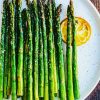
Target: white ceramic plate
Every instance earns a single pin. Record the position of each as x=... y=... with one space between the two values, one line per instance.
x=88 y=54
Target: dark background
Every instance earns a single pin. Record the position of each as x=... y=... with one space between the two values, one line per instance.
x=95 y=95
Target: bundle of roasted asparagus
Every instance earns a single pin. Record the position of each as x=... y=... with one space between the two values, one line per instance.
x=31 y=52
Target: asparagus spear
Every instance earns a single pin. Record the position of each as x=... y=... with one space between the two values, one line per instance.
x=9 y=57
x=9 y=60
x=6 y=53
x=30 y=48
x=36 y=39
x=41 y=67
x=70 y=95
x=3 y=31
x=43 y=27
x=60 y=58
x=13 y=60
x=33 y=29
x=25 y=53
x=20 y=49
x=74 y=55
x=54 y=52
x=50 y=52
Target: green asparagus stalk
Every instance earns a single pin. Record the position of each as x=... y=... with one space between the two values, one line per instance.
x=74 y=56
x=13 y=60
x=33 y=29
x=20 y=50
x=16 y=31
x=60 y=57
x=6 y=54
x=41 y=67
x=54 y=52
x=50 y=52
x=70 y=95
x=3 y=31
x=9 y=57
x=35 y=52
x=30 y=50
x=43 y=29
x=9 y=65
x=25 y=53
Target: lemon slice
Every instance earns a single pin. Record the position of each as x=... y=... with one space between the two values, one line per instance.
x=83 y=30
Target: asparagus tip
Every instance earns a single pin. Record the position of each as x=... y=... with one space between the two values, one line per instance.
x=59 y=9
x=71 y=7
x=68 y=10
x=27 y=2
x=71 y=2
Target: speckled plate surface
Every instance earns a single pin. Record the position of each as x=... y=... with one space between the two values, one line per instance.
x=89 y=53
